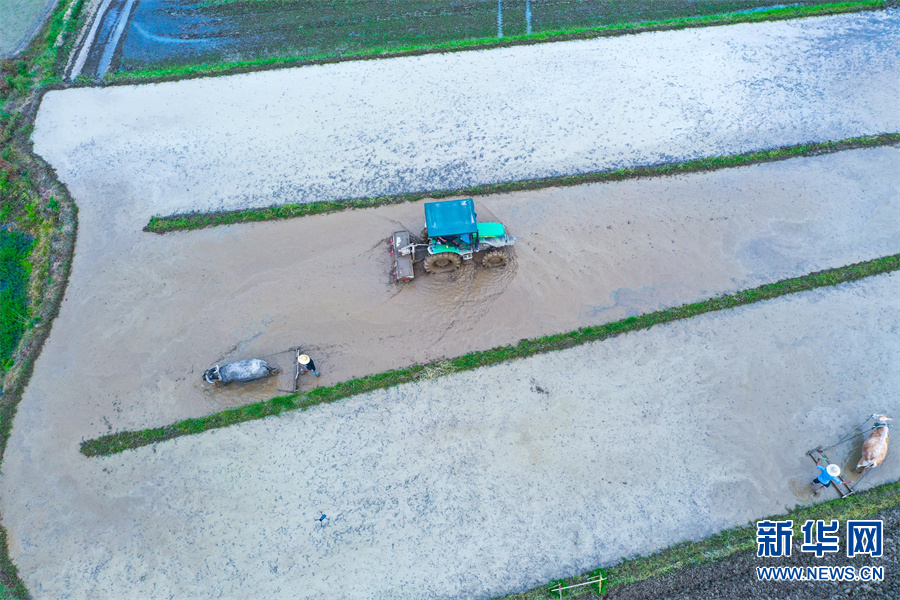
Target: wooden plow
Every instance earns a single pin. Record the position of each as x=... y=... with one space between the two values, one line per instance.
x=818 y=455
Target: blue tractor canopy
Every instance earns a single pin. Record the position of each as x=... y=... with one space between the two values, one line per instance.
x=454 y=235
x=451 y=218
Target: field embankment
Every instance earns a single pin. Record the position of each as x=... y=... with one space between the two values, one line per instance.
x=33 y=206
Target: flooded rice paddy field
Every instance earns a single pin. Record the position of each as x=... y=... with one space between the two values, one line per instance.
x=585 y=255
x=472 y=485
x=147 y=314
x=415 y=476
x=450 y=121
x=20 y=20
x=167 y=33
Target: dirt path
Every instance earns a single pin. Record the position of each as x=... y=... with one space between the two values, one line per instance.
x=446 y=121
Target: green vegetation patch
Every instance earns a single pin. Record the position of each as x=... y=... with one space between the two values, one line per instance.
x=307 y=32
x=15 y=271
x=739 y=539
x=288 y=211
x=118 y=442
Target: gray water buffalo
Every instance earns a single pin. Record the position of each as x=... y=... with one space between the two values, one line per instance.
x=240 y=372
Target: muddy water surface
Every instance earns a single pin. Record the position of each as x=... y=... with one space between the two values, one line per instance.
x=414 y=476
x=147 y=314
x=450 y=121
x=569 y=460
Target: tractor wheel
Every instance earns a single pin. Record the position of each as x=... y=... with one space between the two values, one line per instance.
x=445 y=262
x=495 y=258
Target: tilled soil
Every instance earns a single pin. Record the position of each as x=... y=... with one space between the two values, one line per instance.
x=735 y=577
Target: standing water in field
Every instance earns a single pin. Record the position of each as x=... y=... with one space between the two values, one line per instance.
x=173 y=33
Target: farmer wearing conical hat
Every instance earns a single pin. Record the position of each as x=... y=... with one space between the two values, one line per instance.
x=307 y=364
x=827 y=476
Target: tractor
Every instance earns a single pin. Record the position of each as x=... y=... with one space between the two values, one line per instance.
x=452 y=234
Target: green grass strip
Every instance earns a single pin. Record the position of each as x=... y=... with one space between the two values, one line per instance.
x=192 y=221
x=15 y=269
x=125 y=440
x=730 y=18
x=726 y=543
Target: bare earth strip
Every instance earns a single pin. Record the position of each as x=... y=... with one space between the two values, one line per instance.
x=446 y=121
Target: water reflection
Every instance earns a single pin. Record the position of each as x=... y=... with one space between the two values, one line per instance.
x=183 y=32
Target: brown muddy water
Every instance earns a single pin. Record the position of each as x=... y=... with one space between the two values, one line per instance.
x=413 y=476
x=145 y=315
x=569 y=460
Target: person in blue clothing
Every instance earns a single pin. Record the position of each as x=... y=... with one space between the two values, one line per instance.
x=827 y=476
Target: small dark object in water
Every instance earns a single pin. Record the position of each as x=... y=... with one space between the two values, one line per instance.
x=240 y=372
